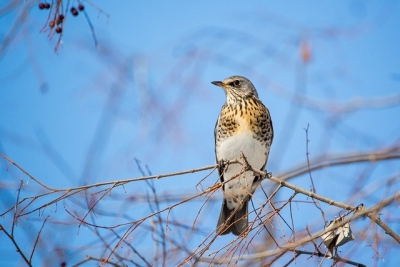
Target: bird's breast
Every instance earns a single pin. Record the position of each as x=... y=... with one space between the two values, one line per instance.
x=243 y=141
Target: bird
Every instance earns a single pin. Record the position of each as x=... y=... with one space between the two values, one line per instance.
x=243 y=126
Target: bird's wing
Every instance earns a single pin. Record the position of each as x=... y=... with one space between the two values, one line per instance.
x=220 y=167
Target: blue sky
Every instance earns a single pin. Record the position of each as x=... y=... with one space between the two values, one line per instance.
x=83 y=114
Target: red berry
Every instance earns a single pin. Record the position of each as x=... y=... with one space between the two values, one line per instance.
x=51 y=24
x=74 y=11
x=81 y=7
x=47 y=6
x=58 y=30
x=60 y=19
x=41 y=6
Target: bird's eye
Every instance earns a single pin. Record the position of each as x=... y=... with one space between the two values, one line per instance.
x=235 y=83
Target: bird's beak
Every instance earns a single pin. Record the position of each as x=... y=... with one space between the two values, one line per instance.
x=218 y=83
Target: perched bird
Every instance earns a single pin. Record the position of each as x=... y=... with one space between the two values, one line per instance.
x=244 y=126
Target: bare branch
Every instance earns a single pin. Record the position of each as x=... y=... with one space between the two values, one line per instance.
x=304 y=240
x=37 y=239
x=16 y=245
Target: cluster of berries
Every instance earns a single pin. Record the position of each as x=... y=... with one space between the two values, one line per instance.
x=74 y=10
x=60 y=18
x=44 y=6
x=57 y=22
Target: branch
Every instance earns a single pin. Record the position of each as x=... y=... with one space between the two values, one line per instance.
x=335 y=258
x=334 y=203
x=16 y=245
x=37 y=239
x=116 y=182
x=304 y=240
x=325 y=161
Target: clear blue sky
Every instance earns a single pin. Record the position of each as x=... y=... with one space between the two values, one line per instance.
x=83 y=114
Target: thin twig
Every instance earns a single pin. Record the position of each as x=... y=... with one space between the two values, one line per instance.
x=313 y=189
x=15 y=216
x=16 y=245
x=37 y=238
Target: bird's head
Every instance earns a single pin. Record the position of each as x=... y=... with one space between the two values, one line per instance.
x=237 y=88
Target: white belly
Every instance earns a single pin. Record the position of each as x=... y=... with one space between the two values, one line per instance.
x=239 y=188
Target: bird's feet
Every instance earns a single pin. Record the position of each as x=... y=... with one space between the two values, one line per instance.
x=222 y=166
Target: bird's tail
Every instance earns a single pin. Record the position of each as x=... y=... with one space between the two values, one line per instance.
x=235 y=225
